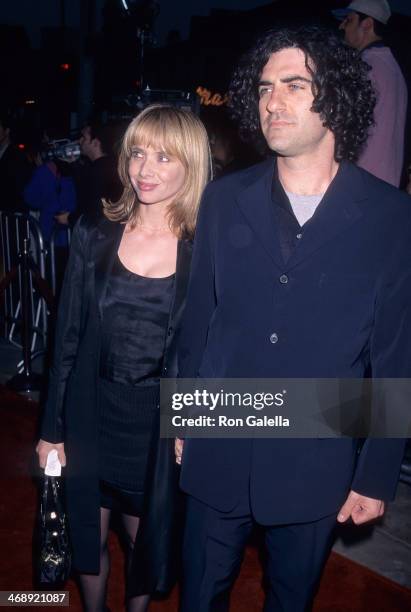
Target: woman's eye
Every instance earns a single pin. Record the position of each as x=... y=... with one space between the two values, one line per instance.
x=136 y=154
x=163 y=158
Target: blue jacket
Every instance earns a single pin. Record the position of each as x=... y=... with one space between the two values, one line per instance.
x=50 y=193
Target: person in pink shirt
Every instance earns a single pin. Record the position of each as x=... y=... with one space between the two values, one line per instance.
x=363 y=26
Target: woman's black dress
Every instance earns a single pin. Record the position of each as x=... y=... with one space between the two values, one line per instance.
x=135 y=315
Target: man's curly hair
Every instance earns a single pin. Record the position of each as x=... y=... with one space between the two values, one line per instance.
x=343 y=94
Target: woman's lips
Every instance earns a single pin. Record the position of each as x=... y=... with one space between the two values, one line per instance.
x=146 y=186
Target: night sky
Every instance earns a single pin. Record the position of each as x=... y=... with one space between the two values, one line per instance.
x=174 y=14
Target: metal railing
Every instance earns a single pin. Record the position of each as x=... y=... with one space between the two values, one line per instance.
x=58 y=231
x=17 y=229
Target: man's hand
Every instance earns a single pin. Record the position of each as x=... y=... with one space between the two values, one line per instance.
x=178 y=449
x=360 y=508
x=62 y=218
x=43 y=448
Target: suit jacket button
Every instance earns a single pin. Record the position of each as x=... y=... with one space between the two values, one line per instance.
x=283 y=279
x=273 y=338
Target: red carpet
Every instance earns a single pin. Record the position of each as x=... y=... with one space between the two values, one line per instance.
x=345 y=585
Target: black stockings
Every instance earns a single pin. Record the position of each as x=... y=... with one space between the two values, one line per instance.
x=130 y=524
x=94 y=586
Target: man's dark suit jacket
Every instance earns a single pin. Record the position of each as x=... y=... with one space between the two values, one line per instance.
x=94 y=181
x=14 y=175
x=345 y=309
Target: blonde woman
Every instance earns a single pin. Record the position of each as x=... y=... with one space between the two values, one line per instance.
x=121 y=306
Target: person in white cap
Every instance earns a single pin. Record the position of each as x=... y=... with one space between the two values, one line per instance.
x=364 y=27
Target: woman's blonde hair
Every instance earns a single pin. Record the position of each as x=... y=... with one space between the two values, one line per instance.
x=178 y=133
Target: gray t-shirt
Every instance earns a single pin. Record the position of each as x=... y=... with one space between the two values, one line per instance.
x=304 y=206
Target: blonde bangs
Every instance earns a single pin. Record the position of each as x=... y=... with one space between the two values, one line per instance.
x=161 y=130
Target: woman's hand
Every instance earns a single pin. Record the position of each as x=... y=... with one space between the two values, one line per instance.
x=178 y=449
x=43 y=448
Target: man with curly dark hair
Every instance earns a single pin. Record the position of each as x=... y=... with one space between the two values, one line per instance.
x=342 y=93
x=301 y=269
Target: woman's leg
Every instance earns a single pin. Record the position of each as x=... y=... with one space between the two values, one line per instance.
x=140 y=602
x=94 y=586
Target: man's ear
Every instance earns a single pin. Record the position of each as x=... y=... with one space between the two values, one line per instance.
x=367 y=25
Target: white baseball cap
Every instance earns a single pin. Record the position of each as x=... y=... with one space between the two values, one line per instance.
x=377 y=9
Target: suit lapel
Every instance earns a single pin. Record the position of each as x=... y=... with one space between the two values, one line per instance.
x=255 y=202
x=337 y=211
x=105 y=251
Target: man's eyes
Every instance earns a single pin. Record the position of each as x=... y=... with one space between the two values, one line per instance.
x=295 y=86
x=262 y=91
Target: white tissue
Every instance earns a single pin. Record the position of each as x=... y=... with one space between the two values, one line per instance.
x=53 y=465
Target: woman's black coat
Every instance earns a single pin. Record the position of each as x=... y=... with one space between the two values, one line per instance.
x=71 y=409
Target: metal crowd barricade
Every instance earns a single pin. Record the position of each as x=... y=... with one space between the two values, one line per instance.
x=58 y=231
x=14 y=229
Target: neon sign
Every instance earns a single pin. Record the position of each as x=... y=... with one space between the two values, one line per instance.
x=207 y=98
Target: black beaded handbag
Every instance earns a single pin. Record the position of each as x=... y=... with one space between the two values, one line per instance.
x=55 y=552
